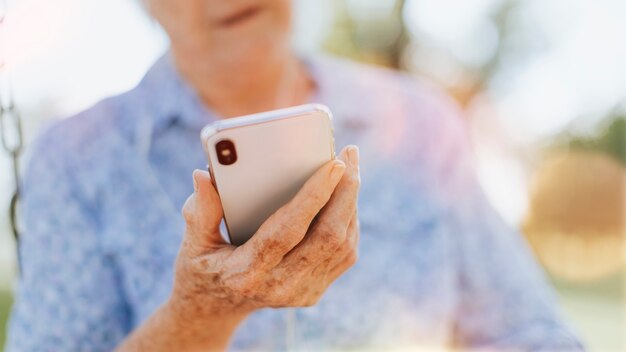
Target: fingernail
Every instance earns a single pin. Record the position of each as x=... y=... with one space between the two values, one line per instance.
x=195 y=181
x=353 y=154
x=337 y=169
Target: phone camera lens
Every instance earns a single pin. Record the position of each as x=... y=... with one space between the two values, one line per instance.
x=226 y=153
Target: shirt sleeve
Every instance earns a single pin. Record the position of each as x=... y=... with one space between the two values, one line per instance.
x=68 y=296
x=505 y=301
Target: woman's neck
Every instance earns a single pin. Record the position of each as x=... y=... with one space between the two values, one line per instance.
x=233 y=88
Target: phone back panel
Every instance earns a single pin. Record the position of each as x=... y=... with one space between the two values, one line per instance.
x=276 y=153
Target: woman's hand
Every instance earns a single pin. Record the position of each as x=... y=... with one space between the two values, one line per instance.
x=287 y=263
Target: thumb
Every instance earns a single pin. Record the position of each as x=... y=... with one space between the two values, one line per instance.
x=203 y=213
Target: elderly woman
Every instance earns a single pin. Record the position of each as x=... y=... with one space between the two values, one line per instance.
x=109 y=261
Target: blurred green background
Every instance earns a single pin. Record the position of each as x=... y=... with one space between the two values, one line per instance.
x=5 y=303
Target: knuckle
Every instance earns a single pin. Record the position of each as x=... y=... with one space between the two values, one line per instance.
x=309 y=301
x=329 y=236
x=288 y=230
x=189 y=213
x=242 y=281
x=236 y=285
x=204 y=264
x=319 y=271
x=282 y=297
x=244 y=285
x=353 y=180
x=314 y=197
x=333 y=241
x=353 y=257
x=304 y=261
x=314 y=296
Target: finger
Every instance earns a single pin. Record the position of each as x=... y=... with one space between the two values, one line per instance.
x=288 y=226
x=203 y=213
x=350 y=253
x=353 y=235
x=309 y=282
x=342 y=205
x=331 y=226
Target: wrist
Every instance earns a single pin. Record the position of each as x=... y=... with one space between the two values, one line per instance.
x=199 y=331
x=202 y=318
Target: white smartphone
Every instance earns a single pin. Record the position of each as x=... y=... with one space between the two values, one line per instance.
x=259 y=162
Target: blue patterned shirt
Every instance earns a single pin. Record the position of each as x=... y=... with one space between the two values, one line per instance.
x=438 y=267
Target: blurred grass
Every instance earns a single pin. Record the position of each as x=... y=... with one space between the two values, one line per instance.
x=609 y=138
x=5 y=306
x=596 y=311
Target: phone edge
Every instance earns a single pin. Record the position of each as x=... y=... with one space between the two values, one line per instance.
x=247 y=120
x=221 y=125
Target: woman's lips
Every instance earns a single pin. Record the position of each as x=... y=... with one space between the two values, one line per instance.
x=240 y=16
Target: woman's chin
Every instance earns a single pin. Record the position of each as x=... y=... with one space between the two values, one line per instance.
x=256 y=48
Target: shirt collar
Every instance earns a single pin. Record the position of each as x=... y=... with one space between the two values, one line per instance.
x=334 y=79
x=170 y=100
